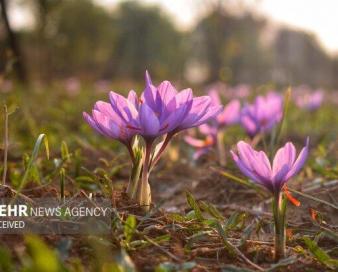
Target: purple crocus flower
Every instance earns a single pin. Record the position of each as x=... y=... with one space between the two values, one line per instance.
x=214 y=130
x=310 y=101
x=171 y=111
x=159 y=111
x=203 y=146
x=72 y=86
x=256 y=165
x=263 y=114
x=116 y=120
x=231 y=112
x=242 y=90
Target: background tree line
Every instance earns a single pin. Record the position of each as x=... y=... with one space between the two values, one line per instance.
x=80 y=38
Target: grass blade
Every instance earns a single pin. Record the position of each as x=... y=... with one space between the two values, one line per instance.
x=320 y=254
x=42 y=139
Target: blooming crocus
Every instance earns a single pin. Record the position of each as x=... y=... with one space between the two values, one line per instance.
x=158 y=112
x=263 y=114
x=240 y=91
x=231 y=112
x=115 y=120
x=202 y=146
x=257 y=167
x=310 y=101
x=170 y=111
x=215 y=130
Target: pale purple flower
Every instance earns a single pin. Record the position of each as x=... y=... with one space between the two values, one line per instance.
x=241 y=91
x=256 y=165
x=309 y=100
x=165 y=110
x=214 y=130
x=231 y=112
x=116 y=120
x=263 y=114
x=202 y=146
x=72 y=86
x=102 y=85
x=159 y=110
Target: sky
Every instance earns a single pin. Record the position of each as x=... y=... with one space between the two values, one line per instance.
x=317 y=16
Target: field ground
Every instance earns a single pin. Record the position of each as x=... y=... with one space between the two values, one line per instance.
x=203 y=219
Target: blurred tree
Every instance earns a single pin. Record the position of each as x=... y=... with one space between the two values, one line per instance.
x=43 y=10
x=335 y=72
x=299 y=59
x=13 y=44
x=146 y=39
x=70 y=38
x=230 y=47
x=82 y=37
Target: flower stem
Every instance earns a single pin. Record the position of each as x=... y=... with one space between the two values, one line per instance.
x=144 y=193
x=279 y=209
x=136 y=157
x=134 y=178
x=163 y=147
x=220 y=148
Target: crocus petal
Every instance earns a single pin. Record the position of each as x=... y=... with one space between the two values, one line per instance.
x=248 y=122
x=284 y=159
x=279 y=179
x=263 y=114
x=149 y=94
x=207 y=129
x=166 y=92
x=215 y=97
x=211 y=113
x=92 y=122
x=263 y=165
x=124 y=108
x=182 y=104
x=198 y=109
x=200 y=152
x=194 y=142
x=109 y=128
x=230 y=114
x=119 y=105
x=299 y=163
x=245 y=170
x=107 y=110
x=246 y=154
x=173 y=120
x=147 y=78
x=183 y=97
x=149 y=122
x=132 y=97
x=256 y=162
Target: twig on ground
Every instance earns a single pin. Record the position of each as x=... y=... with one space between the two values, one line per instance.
x=4 y=171
x=162 y=249
x=314 y=198
x=243 y=209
